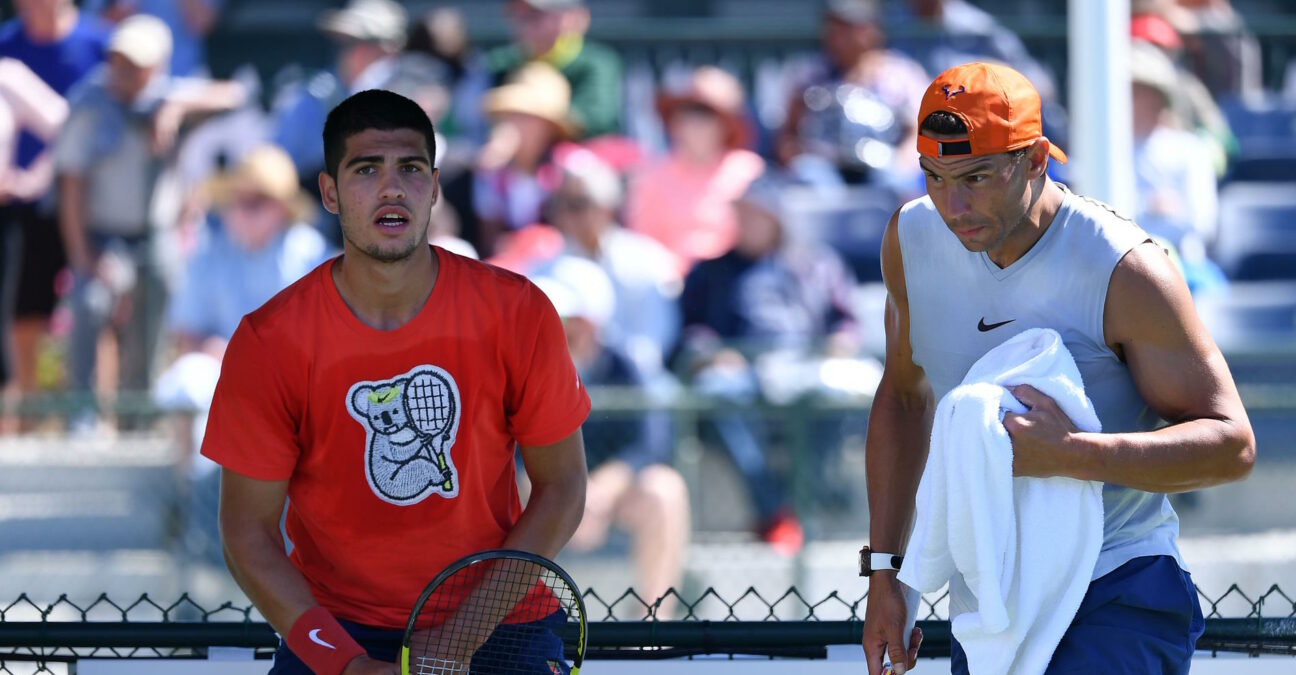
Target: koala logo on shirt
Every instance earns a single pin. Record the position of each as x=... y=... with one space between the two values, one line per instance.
x=411 y=423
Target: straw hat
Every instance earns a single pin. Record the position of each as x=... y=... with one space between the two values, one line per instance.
x=265 y=170
x=536 y=89
x=1151 y=67
x=718 y=91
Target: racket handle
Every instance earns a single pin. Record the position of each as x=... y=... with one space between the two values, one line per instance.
x=448 y=485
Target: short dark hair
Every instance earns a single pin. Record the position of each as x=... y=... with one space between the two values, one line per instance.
x=372 y=109
x=948 y=124
x=944 y=123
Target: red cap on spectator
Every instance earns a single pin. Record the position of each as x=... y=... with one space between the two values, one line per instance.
x=1155 y=29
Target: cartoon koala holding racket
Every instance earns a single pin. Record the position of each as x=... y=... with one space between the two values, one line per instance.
x=410 y=426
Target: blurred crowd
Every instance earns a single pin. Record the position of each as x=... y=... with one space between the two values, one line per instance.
x=145 y=207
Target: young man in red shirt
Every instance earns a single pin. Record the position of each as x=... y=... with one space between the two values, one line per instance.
x=383 y=395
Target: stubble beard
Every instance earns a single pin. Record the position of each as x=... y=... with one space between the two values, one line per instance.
x=375 y=251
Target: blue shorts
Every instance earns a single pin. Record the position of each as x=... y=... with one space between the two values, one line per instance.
x=1142 y=617
x=540 y=639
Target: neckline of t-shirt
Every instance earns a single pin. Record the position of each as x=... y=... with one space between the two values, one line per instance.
x=1045 y=240
x=354 y=323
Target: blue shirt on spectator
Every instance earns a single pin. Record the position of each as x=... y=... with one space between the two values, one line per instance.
x=60 y=64
x=224 y=281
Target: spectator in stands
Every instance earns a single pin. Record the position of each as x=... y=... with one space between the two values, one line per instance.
x=1219 y=48
x=26 y=104
x=685 y=199
x=262 y=241
x=765 y=297
x=529 y=115
x=29 y=105
x=856 y=67
x=584 y=208
x=1190 y=101
x=122 y=125
x=443 y=36
x=632 y=485
x=368 y=34
x=1177 y=191
x=553 y=31
x=190 y=21
x=60 y=45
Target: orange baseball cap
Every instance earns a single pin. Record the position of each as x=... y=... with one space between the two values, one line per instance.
x=999 y=106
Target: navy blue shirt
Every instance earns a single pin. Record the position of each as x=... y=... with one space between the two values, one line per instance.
x=791 y=299
x=60 y=64
x=636 y=438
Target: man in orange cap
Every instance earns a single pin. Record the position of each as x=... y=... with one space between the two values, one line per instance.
x=996 y=247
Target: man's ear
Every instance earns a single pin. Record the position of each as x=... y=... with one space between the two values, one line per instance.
x=436 y=186
x=1038 y=158
x=329 y=193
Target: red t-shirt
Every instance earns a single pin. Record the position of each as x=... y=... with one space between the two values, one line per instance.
x=398 y=445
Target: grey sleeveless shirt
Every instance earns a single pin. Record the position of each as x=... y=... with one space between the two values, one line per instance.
x=961 y=305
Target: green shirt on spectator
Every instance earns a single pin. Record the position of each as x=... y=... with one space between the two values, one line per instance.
x=592 y=69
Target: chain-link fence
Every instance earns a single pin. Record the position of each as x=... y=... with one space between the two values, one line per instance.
x=47 y=637
x=125 y=512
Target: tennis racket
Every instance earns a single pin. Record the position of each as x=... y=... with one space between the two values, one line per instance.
x=430 y=407
x=497 y=612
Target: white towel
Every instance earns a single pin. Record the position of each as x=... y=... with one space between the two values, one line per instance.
x=1025 y=547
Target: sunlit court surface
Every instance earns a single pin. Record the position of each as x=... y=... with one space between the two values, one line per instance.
x=795 y=257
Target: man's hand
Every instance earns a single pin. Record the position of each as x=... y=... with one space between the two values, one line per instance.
x=884 y=621
x=1040 y=436
x=363 y=665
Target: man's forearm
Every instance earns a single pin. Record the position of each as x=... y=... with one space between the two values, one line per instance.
x=1186 y=456
x=895 y=453
x=212 y=97
x=258 y=562
x=550 y=518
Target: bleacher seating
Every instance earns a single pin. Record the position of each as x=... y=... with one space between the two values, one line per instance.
x=1255 y=316
x=1257 y=233
x=1266 y=134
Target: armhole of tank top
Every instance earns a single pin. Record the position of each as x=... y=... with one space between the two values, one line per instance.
x=1128 y=242
x=904 y=234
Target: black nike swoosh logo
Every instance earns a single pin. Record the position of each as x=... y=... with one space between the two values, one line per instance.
x=983 y=327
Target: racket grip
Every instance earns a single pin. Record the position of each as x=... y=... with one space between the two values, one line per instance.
x=448 y=485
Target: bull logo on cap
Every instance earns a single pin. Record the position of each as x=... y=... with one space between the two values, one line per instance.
x=951 y=94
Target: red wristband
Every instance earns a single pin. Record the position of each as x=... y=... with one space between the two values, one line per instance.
x=321 y=643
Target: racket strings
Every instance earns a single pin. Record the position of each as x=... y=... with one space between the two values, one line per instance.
x=430 y=404
x=497 y=616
